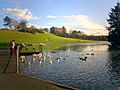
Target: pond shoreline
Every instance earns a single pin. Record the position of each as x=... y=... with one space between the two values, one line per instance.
x=22 y=82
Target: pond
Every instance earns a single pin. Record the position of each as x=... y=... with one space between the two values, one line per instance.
x=100 y=70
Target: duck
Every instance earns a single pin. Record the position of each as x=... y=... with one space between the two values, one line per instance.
x=84 y=59
x=58 y=59
x=87 y=53
x=92 y=53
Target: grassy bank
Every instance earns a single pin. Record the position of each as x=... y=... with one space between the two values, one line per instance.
x=49 y=39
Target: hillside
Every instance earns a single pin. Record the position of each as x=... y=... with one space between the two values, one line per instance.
x=7 y=35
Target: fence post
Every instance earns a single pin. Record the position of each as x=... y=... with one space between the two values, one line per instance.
x=17 y=59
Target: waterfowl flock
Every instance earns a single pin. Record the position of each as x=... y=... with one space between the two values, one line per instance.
x=47 y=57
x=41 y=57
x=85 y=56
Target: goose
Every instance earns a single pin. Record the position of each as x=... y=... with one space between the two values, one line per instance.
x=39 y=55
x=49 y=59
x=34 y=55
x=22 y=58
x=43 y=56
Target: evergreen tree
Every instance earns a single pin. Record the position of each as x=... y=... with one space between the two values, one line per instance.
x=114 y=26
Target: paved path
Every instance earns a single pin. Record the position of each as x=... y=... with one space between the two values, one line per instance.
x=12 y=81
x=7 y=62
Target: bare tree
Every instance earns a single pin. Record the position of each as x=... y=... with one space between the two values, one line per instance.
x=8 y=22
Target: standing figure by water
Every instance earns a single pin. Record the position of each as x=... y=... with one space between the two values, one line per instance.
x=13 y=47
x=13 y=51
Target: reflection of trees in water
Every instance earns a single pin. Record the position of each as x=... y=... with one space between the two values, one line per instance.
x=78 y=48
x=114 y=67
x=84 y=47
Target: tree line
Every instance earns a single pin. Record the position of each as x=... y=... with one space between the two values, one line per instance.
x=20 y=25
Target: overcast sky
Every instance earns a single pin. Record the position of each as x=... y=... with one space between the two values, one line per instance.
x=88 y=16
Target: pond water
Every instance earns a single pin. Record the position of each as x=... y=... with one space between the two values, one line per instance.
x=99 y=71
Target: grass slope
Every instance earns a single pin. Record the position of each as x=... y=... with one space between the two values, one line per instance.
x=49 y=39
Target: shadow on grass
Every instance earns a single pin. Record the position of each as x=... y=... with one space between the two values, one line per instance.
x=4 y=45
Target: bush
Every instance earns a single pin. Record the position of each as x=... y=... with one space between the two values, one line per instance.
x=33 y=31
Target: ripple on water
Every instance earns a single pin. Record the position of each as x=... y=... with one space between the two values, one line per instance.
x=99 y=72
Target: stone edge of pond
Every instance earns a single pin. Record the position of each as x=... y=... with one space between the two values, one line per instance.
x=50 y=82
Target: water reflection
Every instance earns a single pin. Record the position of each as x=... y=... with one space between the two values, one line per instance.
x=114 y=67
x=99 y=71
x=84 y=48
x=71 y=47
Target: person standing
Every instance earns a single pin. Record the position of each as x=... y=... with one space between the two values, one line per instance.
x=12 y=52
x=12 y=47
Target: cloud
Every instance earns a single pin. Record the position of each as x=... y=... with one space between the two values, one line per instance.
x=51 y=17
x=21 y=13
x=84 y=23
x=37 y=26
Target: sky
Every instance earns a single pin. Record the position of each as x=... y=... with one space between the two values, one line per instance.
x=88 y=16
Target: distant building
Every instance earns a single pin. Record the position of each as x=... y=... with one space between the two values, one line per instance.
x=56 y=30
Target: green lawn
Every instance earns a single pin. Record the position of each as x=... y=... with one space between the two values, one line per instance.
x=50 y=40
